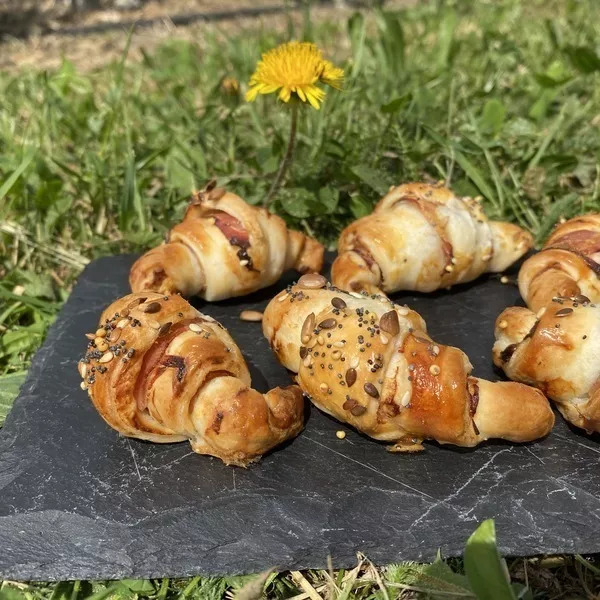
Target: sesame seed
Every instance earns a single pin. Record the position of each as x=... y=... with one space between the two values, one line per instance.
x=434 y=370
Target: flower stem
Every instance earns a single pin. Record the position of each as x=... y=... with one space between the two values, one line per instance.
x=287 y=159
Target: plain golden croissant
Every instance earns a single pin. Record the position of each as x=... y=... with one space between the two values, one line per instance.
x=370 y=363
x=224 y=248
x=556 y=350
x=422 y=237
x=158 y=370
x=567 y=265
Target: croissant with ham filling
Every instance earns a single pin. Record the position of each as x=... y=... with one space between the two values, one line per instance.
x=556 y=350
x=159 y=370
x=422 y=237
x=224 y=248
x=567 y=265
x=370 y=363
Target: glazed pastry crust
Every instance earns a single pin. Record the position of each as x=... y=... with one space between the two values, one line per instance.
x=223 y=248
x=556 y=350
x=165 y=372
x=370 y=363
x=422 y=237
x=567 y=265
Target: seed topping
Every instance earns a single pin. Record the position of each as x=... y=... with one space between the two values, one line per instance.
x=338 y=303
x=328 y=323
x=152 y=307
x=563 y=312
x=251 y=315
x=350 y=377
x=389 y=323
x=312 y=281
x=371 y=390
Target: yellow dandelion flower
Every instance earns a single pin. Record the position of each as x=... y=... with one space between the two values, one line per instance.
x=294 y=68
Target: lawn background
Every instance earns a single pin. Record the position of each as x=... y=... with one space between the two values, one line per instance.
x=499 y=99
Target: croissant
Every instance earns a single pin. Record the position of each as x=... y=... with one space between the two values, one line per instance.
x=224 y=248
x=370 y=363
x=422 y=237
x=159 y=370
x=567 y=265
x=557 y=351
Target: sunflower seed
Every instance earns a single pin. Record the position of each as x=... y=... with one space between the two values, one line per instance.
x=195 y=328
x=405 y=399
x=354 y=362
x=114 y=335
x=82 y=368
x=122 y=323
x=308 y=325
x=106 y=357
x=563 y=312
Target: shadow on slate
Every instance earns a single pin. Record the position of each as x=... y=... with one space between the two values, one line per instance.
x=77 y=500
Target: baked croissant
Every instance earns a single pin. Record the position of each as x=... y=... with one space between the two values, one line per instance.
x=422 y=237
x=556 y=350
x=567 y=265
x=159 y=370
x=224 y=248
x=370 y=363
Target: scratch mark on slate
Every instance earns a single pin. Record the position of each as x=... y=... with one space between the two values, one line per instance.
x=134 y=459
x=460 y=489
x=534 y=454
x=560 y=437
x=367 y=466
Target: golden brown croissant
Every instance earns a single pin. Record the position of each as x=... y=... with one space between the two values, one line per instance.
x=422 y=237
x=370 y=363
x=159 y=370
x=557 y=351
x=567 y=265
x=224 y=248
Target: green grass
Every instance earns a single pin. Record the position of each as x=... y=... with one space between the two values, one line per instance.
x=500 y=99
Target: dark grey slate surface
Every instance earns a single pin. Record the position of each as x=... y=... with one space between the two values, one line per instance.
x=79 y=501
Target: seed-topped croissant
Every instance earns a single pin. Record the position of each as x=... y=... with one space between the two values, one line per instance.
x=159 y=370
x=567 y=265
x=558 y=351
x=370 y=363
x=224 y=248
x=422 y=237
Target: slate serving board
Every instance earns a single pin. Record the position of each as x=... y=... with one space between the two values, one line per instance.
x=79 y=501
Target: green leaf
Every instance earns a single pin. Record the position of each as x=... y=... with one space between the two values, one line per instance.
x=431 y=578
x=474 y=174
x=395 y=105
x=372 y=177
x=565 y=207
x=492 y=117
x=583 y=58
x=446 y=37
x=139 y=586
x=485 y=569
x=14 y=176
x=359 y=206
x=9 y=388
